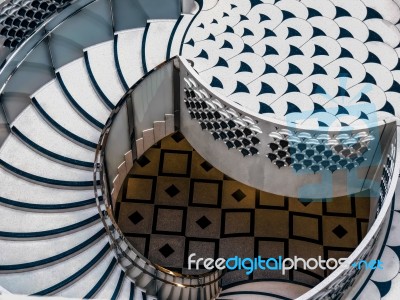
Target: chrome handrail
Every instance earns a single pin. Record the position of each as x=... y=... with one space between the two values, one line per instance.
x=203 y=280
x=21 y=53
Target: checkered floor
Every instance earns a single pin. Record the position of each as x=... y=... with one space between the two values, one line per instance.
x=174 y=203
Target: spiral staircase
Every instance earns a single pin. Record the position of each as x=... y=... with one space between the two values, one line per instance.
x=55 y=238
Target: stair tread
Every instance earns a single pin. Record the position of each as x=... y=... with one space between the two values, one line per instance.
x=108 y=289
x=37 y=222
x=41 y=279
x=77 y=82
x=17 y=154
x=177 y=36
x=18 y=189
x=102 y=65
x=45 y=248
x=157 y=37
x=129 y=54
x=52 y=99
x=32 y=125
x=87 y=282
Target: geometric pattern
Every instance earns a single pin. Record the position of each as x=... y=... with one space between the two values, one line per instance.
x=223 y=123
x=167 y=216
x=316 y=63
x=301 y=150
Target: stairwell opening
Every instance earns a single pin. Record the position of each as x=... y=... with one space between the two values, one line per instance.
x=174 y=203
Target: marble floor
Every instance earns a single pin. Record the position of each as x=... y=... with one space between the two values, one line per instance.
x=175 y=203
x=317 y=63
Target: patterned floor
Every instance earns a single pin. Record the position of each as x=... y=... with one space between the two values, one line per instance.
x=175 y=203
x=317 y=63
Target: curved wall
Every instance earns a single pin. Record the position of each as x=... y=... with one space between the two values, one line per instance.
x=257 y=170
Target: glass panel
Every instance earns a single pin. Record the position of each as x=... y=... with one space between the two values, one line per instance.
x=153 y=98
x=133 y=14
x=3 y=133
x=14 y=104
x=91 y=26
x=33 y=73
x=118 y=143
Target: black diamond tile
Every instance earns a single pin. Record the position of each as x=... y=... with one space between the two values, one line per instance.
x=143 y=161
x=339 y=231
x=177 y=137
x=239 y=195
x=172 y=191
x=203 y=222
x=136 y=217
x=166 y=250
x=206 y=166
x=305 y=202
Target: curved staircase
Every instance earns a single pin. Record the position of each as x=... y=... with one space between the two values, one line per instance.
x=52 y=240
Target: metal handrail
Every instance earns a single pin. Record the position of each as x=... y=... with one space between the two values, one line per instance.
x=43 y=33
x=107 y=214
x=12 y=64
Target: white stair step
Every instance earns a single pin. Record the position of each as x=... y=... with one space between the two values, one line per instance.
x=12 y=220
x=77 y=81
x=41 y=249
x=129 y=51
x=156 y=42
x=38 y=280
x=18 y=189
x=280 y=289
x=102 y=65
x=32 y=125
x=87 y=282
x=18 y=155
x=391 y=266
x=371 y=291
x=125 y=290
x=52 y=99
x=178 y=35
x=108 y=289
x=138 y=294
x=253 y=297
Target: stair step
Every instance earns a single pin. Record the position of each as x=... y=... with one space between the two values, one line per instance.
x=125 y=289
x=272 y=289
x=44 y=224
x=89 y=285
x=78 y=84
x=101 y=66
x=155 y=43
x=47 y=137
x=107 y=291
x=18 y=155
x=52 y=100
x=128 y=54
x=178 y=34
x=17 y=189
x=52 y=278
